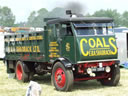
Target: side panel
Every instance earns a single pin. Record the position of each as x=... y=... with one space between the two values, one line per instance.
x=68 y=48
x=26 y=47
x=60 y=44
x=52 y=42
x=96 y=48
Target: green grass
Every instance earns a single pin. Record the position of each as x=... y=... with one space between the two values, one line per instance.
x=11 y=87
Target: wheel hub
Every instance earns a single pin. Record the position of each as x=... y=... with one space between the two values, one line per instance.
x=60 y=77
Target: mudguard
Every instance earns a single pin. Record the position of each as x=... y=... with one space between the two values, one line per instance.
x=64 y=61
x=117 y=62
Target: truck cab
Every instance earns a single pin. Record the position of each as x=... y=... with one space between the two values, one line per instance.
x=82 y=39
x=85 y=46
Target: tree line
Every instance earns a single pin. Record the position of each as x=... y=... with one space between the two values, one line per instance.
x=36 y=18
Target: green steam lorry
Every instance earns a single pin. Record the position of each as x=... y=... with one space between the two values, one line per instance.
x=71 y=49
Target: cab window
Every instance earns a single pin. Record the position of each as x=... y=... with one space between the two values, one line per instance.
x=93 y=28
x=64 y=30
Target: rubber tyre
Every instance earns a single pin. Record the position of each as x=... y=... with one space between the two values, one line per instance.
x=69 y=79
x=115 y=77
x=20 y=73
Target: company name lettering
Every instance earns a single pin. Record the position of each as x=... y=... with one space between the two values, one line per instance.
x=23 y=49
x=98 y=46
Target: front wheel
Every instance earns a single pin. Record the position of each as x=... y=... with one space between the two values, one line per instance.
x=62 y=78
x=114 y=78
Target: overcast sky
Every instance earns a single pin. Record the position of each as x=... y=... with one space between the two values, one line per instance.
x=22 y=8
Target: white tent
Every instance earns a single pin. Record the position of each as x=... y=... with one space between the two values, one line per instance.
x=2 y=54
x=122 y=44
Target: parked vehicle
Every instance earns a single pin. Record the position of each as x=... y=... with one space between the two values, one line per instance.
x=119 y=29
x=71 y=49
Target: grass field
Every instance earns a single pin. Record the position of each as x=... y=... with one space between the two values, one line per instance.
x=10 y=87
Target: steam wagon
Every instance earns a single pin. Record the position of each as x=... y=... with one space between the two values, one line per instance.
x=71 y=49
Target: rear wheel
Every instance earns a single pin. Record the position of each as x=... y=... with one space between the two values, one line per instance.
x=114 y=78
x=20 y=73
x=62 y=78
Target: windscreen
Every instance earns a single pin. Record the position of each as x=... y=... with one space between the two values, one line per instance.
x=93 y=28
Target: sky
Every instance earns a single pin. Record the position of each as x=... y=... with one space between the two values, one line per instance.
x=22 y=8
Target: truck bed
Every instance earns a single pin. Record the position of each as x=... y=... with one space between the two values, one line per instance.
x=26 y=47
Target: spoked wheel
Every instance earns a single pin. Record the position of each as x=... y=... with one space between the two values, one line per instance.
x=20 y=73
x=62 y=78
x=114 y=78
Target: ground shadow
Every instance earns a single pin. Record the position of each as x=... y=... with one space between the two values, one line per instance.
x=43 y=79
x=87 y=85
x=79 y=85
x=91 y=84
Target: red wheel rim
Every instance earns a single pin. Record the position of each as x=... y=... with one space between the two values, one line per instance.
x=60 y=77
x=19 y=72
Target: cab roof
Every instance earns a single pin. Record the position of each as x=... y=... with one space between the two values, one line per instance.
x=78 y=19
